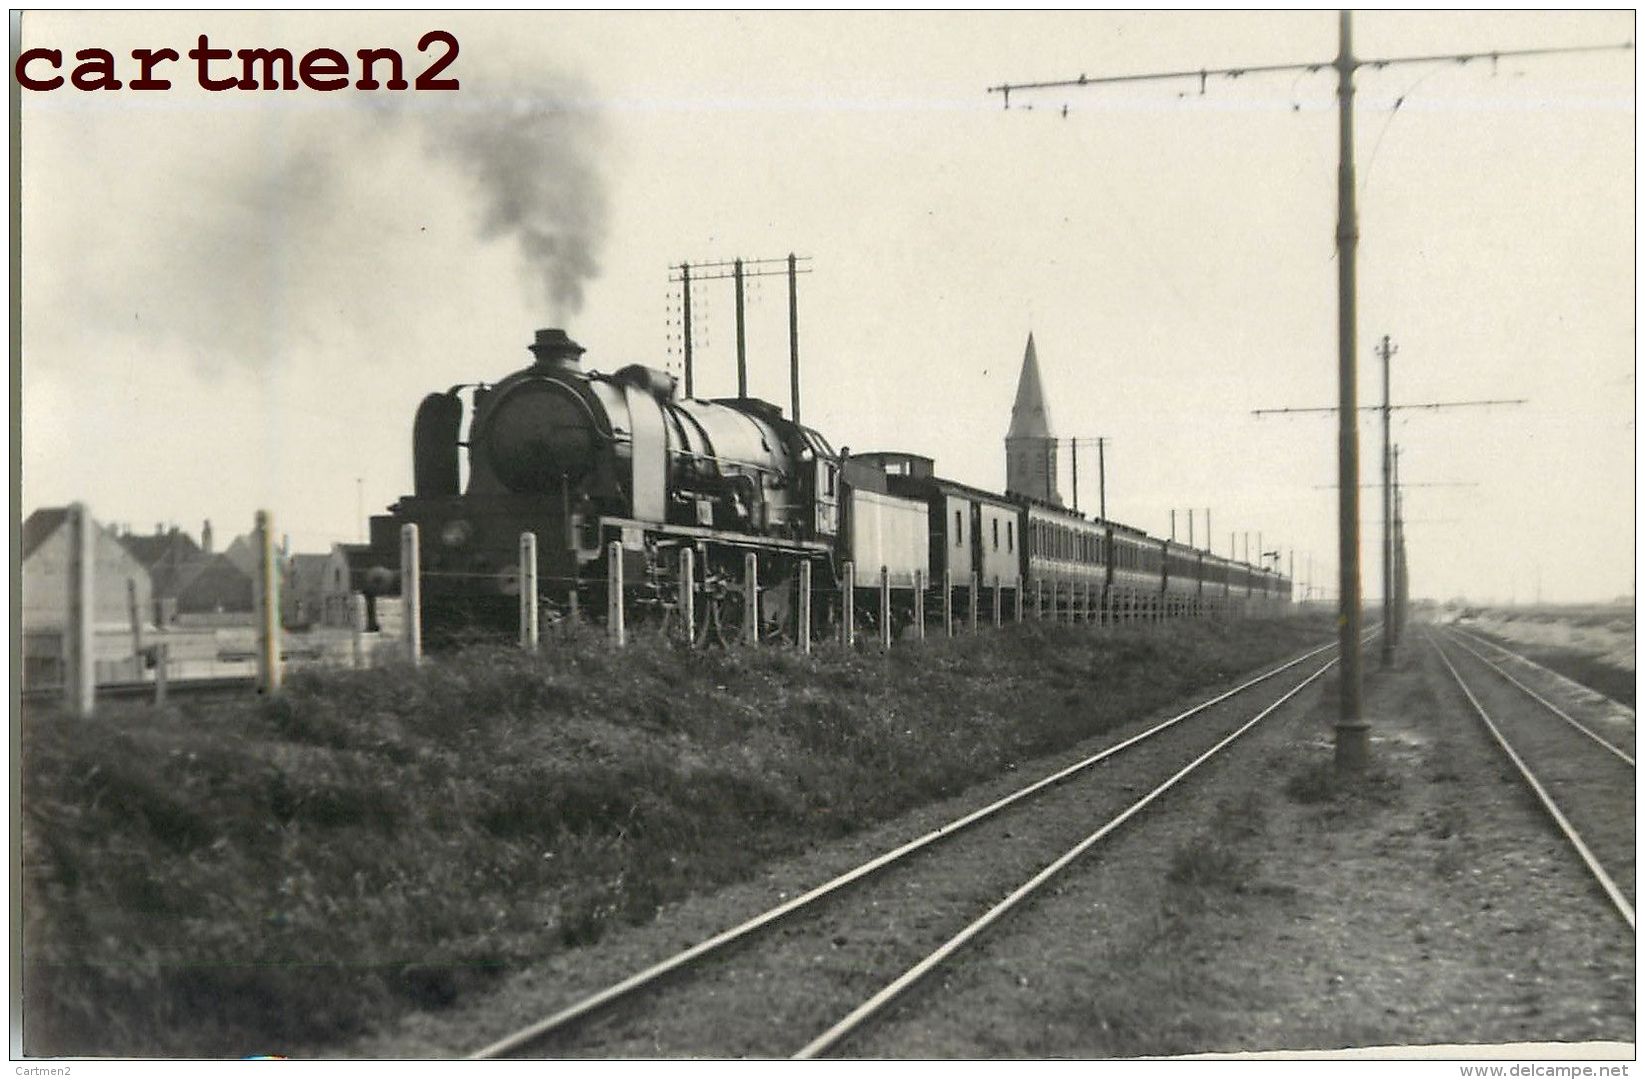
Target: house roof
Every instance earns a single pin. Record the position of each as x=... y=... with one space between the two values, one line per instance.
x=40 y=525
x=174 y=547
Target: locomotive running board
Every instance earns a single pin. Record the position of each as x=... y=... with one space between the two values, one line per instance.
x=694 y=532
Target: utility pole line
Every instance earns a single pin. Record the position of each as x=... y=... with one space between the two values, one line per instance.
x=1352 y=739
x=1099 y=441
x=739 y=270
x=1385 y=351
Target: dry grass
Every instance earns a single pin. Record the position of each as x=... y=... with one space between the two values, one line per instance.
x=276 y=876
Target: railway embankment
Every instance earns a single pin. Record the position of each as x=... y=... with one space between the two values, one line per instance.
x=281 y=876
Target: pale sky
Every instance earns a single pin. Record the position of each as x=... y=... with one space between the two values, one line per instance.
x=236 y=300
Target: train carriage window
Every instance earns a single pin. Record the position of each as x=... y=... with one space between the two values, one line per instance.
x=1010 y=529
x=959 y=530
x=996 y=534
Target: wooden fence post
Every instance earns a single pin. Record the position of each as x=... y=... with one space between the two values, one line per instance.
x=948 y=602
x=802 y=627
x=688 y=594
x=1039 y=598
x=528 y=591
x=79 y=642
x=1017 y=593
x=266 y=603
x=751 y=598
x=411 y=594
x=614 y=628
x=996 y=601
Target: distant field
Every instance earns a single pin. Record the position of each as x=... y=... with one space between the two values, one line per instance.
x=275 y=876
x=1595 y=645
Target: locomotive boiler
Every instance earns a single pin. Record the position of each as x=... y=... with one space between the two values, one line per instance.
x=582 y=459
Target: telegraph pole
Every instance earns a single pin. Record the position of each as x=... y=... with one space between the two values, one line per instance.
x=1386 y=350
x=685 y=318
x=742 y=351
x=1074 y=445
x=1352 y=742
x=794 y=336
x=1074 y=470
x=739 y=270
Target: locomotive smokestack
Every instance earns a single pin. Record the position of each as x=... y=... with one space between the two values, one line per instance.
x=553 y=349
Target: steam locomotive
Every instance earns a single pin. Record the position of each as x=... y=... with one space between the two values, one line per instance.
x=584 y=459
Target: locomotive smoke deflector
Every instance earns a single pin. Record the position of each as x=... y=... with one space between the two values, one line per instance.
x=555 y=351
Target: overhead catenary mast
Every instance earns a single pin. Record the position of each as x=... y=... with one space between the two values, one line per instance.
x=1352 y=740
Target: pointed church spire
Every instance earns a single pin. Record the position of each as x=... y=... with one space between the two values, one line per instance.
x=1030 y=449
x=1030 y=419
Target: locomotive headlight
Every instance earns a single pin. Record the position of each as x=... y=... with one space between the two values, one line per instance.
x=456 y=533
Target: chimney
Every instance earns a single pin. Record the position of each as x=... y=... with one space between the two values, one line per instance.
x=554 y=350
x=205 y=537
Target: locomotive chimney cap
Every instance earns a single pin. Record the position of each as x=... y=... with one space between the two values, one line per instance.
x=554 y=347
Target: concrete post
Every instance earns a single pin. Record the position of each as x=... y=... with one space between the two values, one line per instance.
x=802 y=627
x=356 y=629
x=528 y=591
x=411 y=593
x=267 y=606
x=848 y=606
x=751 y=598
x=971 y=598
x=1017 y=594
x=948 y=602
x=79 y=644
x=136 y=616
x=688 y=594
x=614 y=628
x=919 y=605
x=162 y=660
x=996 y=601
x=885 y=608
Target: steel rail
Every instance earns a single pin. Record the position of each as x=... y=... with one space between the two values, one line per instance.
x=638 y=981
x=1544 y=702
x=1550 y=672
x=896 y=987
x=1620 y=902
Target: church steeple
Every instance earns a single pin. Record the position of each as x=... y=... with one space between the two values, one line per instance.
x=1030 y=448
x=1029 y=416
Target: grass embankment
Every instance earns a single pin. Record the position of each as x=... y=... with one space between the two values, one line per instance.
x=275 y=876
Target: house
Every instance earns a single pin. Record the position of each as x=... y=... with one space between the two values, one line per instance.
x=218 y=587
x=302 y=592
x=118 y=581
x=172 y=558
x=220 y=591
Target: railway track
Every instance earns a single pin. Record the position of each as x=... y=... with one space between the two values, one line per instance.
x=206 y=687
x=872 y=933
x=1613 y=720
x=1584 y=782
